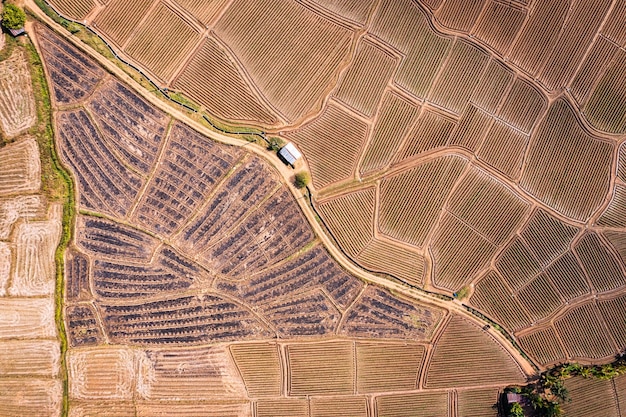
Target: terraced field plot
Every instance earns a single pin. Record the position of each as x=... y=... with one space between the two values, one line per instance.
x=471 y=149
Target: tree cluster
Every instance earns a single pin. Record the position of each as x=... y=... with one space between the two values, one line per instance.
x=13 y=17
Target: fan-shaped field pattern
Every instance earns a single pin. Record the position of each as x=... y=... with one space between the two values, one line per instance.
x=211 y=79
x=71 y=74
x=104 y=183
x=484 y=359
x=17 y=104
x=181 y=320
x=351 y=219
x=614 y=214
x=362 y=85
x=250 y=187
x=395 y=118
x=106 y=238
x=271 y=233
x=129 y=125
x=331 y=145
x=190 y=169
x=287 y=26
x=168 y=272
x=20 y=168
x=177 y=40
x=75 y=9
x=307 y=271
x=82 y=326
x=407 y=265
x=567 y=168
x=378 y=314
x=405 y=26
x=422 y=191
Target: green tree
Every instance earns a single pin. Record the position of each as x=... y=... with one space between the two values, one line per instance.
x=302 y=179
x=13 y=17
x=516 y=410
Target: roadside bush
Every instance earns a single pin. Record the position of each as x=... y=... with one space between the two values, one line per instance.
x=13 y=17
x=302 y=179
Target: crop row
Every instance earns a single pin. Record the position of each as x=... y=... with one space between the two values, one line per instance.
x=73 y=76
x=17 y=104
x=82 y=326
x=105 y=184
x=20 y=168
x=192 y=166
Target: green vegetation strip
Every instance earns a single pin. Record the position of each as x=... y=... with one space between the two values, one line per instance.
x=58 y=186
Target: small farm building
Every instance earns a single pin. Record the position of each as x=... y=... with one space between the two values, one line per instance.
x=290 y=154
x=513 y=397
x=16 y=32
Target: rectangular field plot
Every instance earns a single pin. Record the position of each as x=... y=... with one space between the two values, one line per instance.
x=203 y=10
x=191 y=168
x=543 y=345
x=282 y=407
x=603 y=269
x=29 y=357
x=523 y=105
x=583 y=334
x=36 y=243
x=103 y=408
x=102 y=373
x=339 y=407
x=20 y=168
x=395 y=118
x=260 y=368
x=74 y=9
x=324 y=368
x=27 y=318
x=224 y=408
x=286 y=26
x=176 y=40
x=590 y=396
x=422 y=404
x=471 y=128
x=516 y=264
x=504 y=149
x=363 y=83
x=546 y=236
x=614 y=313
x=405 y=26
x=478 y=403
x=388 y=367
x=592 y=68
x=431 y=131
x=190 y=374
x=31 y=397
x=568 y=277
x=17 y=104
x=495 y=81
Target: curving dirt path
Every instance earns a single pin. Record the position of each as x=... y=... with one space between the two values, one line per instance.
x=453 y=306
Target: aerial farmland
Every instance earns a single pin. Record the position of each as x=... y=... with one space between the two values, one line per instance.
x=444 y=235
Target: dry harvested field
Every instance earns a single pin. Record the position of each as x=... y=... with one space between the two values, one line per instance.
x=17 y=104
x=472 y=149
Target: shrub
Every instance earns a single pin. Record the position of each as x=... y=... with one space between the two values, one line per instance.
x=13 y=17
x=302 y=179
